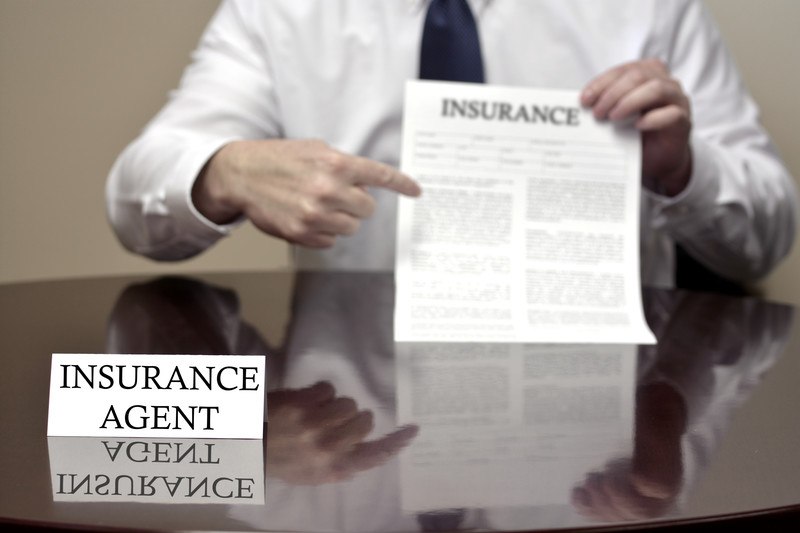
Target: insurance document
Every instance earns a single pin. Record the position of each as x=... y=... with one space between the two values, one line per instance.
x=528 y=226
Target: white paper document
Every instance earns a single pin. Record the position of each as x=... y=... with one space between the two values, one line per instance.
x=528 y=226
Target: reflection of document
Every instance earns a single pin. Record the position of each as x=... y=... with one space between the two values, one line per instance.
x=527 y=229
x=510 y=424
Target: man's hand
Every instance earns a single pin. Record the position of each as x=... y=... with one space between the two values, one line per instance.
x=302 y=191
x=644 y=90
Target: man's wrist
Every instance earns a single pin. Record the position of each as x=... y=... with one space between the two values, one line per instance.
x=210 y=191
x=674 y=183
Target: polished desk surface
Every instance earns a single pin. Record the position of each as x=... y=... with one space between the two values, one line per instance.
x=368 y=435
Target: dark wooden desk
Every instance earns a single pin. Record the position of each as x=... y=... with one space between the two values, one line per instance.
x=714 y=436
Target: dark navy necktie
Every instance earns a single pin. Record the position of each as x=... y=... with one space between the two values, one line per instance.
x=450 y=47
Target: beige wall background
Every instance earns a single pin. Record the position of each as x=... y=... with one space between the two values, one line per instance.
x=80 y=78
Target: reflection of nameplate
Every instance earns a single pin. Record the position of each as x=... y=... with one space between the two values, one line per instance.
x=157 y=396
x=91 y=469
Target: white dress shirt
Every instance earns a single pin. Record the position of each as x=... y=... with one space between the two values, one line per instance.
x=335 y=70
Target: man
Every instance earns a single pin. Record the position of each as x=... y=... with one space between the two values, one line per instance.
x=289 y=116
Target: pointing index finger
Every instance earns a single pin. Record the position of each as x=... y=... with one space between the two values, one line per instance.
x=375 y=174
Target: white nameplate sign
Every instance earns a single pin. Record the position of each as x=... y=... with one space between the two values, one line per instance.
x=167 y=396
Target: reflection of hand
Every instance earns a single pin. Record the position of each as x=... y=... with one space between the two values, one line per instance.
x=647 y=485
x=315 y=437
x=645 y=89
x=300 y=190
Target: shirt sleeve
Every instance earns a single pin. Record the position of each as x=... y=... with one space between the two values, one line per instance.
x=738 y=214
x=225 y=94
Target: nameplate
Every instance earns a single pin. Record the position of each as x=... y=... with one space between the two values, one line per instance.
x=166 y=396
x=113 y=469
